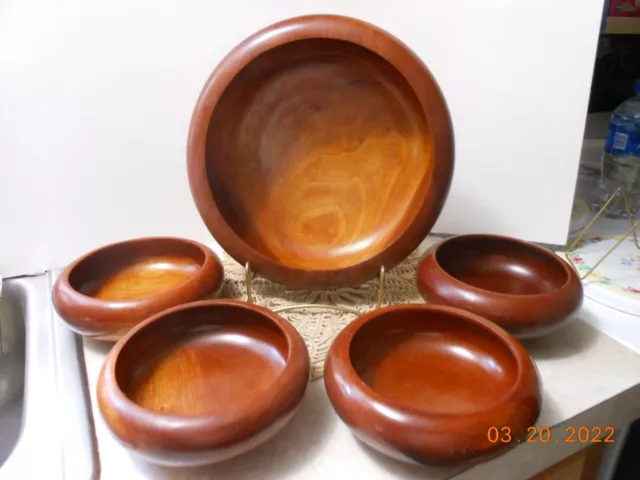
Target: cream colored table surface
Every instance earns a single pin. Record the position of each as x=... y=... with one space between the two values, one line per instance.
x=588 y=379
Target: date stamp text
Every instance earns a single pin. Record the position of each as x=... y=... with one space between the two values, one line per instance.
x=544 y=435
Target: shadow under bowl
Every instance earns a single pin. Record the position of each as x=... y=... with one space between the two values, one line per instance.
x=524 y=288
x=109 y=290
x=203 y=382
x=320 y=150
x=427 y=383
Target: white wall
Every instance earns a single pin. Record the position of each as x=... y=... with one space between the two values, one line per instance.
x=96 y=98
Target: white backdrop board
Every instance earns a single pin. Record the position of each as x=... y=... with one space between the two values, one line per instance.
x=96 y=99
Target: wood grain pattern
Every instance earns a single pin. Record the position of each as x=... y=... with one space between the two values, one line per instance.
x=425 y=383
x=107 y=291
x=200 y=373
x=524 y=288
x=203 y=382
x=319 y=150
x=143 y=277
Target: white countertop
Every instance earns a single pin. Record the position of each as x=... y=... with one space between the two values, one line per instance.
x=588 y=379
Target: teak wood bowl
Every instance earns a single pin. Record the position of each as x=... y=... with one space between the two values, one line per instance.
x=107 y=291
x=320 y=149
x=203 y=382
x=426 y=383
x=524 y=288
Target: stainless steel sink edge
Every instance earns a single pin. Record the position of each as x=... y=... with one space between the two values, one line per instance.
x=71 y=373
x=57 y=440
x=40 y=424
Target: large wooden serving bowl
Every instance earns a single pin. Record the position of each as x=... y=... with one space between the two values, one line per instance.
x=203 y=382
x=320 y=149
x=109 y=290
x=526 y=289
x=426 y=383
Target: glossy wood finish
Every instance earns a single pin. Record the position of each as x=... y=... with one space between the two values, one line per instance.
x=524 y=288
x=425 y=383
x=320 y=149
x=107 y=291
x=203 y=382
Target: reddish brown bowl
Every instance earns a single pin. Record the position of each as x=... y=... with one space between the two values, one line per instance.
x=524 y=288
x=320 y=149
x=203 y=382
x=426 y=383
x=107 y=291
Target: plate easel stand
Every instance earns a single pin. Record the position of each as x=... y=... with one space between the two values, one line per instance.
x=632 y=231
x=248 y=273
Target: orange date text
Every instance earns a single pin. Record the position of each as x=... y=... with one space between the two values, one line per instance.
x=583 y=434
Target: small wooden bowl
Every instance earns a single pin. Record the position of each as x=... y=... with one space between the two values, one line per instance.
x=203 y=382
x=524 y=288
x=426 y=383
x=320 y=149
x=107 y=291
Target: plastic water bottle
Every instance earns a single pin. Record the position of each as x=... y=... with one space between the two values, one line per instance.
x=621 y=157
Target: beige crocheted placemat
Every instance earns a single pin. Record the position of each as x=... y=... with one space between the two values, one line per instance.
x=319 y=327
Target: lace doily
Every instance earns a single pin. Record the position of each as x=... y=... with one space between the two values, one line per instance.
x=319 y=327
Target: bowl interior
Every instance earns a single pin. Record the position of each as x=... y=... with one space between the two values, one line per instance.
x=319 y=154
x=433 y=361
x=137 y=269
x=202 y=360
x=501 y=265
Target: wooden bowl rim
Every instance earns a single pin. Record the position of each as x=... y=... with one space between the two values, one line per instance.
x=388 y=47
x=211 y=262
x=105 y=319
x=565 y=286
x=206 y=430
x=341 y=358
